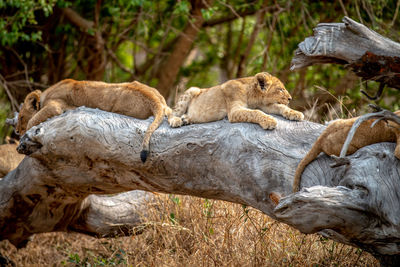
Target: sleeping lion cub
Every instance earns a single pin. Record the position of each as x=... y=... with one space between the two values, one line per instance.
x=132 y=99
x=242 y=100
x=334 y=136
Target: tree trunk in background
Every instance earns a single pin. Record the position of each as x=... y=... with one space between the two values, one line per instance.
x=169 y=70
x=79 y=153
x=245 y=56
x=93 y=60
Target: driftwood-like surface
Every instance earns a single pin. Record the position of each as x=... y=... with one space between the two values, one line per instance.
x=34 y=200
x=367 y=53
x=88 y=151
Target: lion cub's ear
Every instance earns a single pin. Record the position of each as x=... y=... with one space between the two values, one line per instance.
x=32 y=100
x=263 y=80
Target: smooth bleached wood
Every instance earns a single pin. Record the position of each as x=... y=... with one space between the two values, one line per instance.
x=368 y=54
x=87 y=151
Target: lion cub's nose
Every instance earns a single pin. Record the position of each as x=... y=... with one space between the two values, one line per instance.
x=289 y=98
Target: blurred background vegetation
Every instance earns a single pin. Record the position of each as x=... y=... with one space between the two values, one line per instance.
x=172 y=45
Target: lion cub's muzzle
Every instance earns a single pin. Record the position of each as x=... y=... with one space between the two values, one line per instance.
x=285 y=101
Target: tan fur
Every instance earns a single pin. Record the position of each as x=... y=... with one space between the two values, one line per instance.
x=9 y=158
x=242 y=100
x=332 y=139
x=132 y=99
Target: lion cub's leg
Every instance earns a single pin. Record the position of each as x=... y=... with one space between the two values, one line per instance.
x=242 y=114
x=283 y=110
x=175 y=121
x=181 y=106
x=53 y=108
x=397 y=149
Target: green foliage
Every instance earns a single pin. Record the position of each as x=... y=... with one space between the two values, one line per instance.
x=182 y=8
x=118 y=258
x=141 y=34
x=245 y=214
x=175 y=199
x=5 y=109
x=208 y=208
x=18 y=16
x=172 y=216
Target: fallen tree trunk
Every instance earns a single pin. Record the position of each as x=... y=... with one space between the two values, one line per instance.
x=88 y=151
x=33 y=200
x=98 y=215
x=370 y=55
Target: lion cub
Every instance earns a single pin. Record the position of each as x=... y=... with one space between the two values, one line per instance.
x=332 y=139
x=132 y=99
x=242 y=100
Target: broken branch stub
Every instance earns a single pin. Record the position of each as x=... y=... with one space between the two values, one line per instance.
x=12 y=121
x=368 y=54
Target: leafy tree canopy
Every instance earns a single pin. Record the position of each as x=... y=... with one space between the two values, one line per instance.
x=172 y=45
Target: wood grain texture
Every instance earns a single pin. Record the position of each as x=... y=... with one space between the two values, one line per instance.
x=87 y=151
x=368 y=54
x=342 y=43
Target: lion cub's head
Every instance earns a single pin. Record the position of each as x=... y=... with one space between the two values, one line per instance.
x=271 y=89
x=30 y=107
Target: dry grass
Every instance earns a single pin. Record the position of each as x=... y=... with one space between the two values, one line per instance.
x=192 y=232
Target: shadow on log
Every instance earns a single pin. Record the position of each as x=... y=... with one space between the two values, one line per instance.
x=86 y=151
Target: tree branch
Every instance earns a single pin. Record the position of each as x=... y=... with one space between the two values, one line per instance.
x=108 y=216
x=259 y=24
x=239 y=14
x=77 y=20
x=170 y=67
x=95 y=56
x=367 y=53
x=355 y=204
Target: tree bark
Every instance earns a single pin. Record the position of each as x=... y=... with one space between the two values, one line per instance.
x=94 y=48
x=238 y=14
x=170 y=68
x=257 y=27
x=33 y=201
x=86 y=151
x=367 y=53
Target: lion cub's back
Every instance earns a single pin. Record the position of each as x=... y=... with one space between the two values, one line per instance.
x=138 y=100
x=208 y=106
x=133 y=99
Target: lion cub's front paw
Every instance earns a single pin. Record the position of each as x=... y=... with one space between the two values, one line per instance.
x=175 y=122
x=185 y=119
x=293 y=115
x=268 y=124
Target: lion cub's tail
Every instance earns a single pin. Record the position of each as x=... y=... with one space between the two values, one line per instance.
x=159 y=113
x=311 y=155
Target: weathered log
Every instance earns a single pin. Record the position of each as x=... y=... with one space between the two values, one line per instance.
x=367 y=53
x=88 y=151
x=12 y=121
x=108 y=216
x=33 y=201
x=98 y=215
